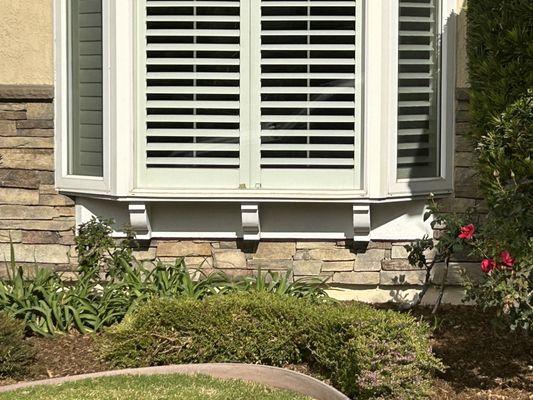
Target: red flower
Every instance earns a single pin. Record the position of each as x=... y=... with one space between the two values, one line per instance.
x=487 y=265
x=467 y=232
x=506 y=258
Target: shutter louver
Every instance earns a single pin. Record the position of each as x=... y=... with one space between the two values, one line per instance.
x=308 y=86
x=86 y=101
x=192 y=84
x=417 y=91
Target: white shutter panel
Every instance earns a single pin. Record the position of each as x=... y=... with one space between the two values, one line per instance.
x=417 y=92
x=86 y=157
x=192 y=93
x=309 y=119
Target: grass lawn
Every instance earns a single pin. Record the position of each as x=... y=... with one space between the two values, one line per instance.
x=160 y=387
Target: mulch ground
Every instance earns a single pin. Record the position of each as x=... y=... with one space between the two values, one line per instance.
x=484 y=360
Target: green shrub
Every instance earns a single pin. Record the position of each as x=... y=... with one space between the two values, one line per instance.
x=500 y=53
x=505 y=166
x=365 y=352
x=48 y=305
x=15 y=353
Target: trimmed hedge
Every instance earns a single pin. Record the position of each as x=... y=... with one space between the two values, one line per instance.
x=15 y=353
x=500 y=52
x=366 y=353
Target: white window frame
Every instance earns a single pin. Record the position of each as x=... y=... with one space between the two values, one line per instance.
x=378 y=127
x=446 y=105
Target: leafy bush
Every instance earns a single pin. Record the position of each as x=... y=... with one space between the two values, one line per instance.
x=15 y=354
x=111 y=283
x=365 y=352
x=500 y=53
x=505 y=240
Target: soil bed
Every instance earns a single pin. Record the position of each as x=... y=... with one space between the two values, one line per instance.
x=484 y=361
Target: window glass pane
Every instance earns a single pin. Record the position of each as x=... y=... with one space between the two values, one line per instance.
x=86 y=128
x=418 y=133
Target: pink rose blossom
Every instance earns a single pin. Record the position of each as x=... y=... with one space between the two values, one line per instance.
x=467 y=232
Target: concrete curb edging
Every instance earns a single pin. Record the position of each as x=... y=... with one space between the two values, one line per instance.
x=270 y=376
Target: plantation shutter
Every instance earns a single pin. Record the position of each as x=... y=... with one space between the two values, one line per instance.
x=191 y=93
x=86 y=145
x=309 y=119
x=418 y=140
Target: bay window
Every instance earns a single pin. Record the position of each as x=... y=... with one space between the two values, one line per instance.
x=260 y=99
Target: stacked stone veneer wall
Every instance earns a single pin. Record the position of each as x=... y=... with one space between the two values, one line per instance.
x=40 y=222
x=33 y=216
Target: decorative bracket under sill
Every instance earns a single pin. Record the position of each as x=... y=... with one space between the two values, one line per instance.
x=361 y=222
x=140 y=220
x=251 y=226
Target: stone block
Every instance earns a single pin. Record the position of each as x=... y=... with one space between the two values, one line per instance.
x=302 y=255
x=455 y=273
x=145 y=255
x=462 y=116
x=338 y=254
x=316 y=245
x=379 y=245
x=370 y=260
x=356 y=278
x=226 y=259
x=27 y=143
x=41 y=237
x=393 y=278
x=28 y=212
x=36 y=124
x=40 y=111
x=399 y=251
x=12 y=115
x=8 y=128
x=397 y=265
x=462 y=128
x=183 y=249
x=7 y=236
x=12 y=106
x=55 y=200
x=43 y=225
x=464 y=159
x=337 y=266
x=46 y=177
x=19 y=178
x=275 y=250
x=33 y=159
x=18 y=196
x=203 y=263
x=266 y=264
x=230 y=244
x=307 y=267
x=40 y=253
x=42 y=133
x=463 y=144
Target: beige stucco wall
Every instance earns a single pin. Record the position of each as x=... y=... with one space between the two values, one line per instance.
x=26 y=42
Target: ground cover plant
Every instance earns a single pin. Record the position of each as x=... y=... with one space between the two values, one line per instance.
x=15 y=354
x=364 y=352
x=484 y=360
x=160 y=387
x=110 y=283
